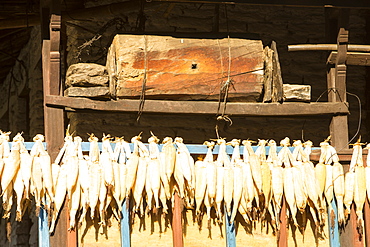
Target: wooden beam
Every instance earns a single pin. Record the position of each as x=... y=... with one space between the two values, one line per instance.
x=201 y=107
x=353 y=58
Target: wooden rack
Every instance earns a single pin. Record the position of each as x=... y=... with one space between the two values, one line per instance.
x=55 y=105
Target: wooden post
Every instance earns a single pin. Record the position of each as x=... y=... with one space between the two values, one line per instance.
x=177 y=223
x=283 y=235
x=336 y=79
x=53 y=117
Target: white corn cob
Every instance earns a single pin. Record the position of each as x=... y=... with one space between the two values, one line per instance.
x=238 y=188
x=228 y=187
x=123 y=170
x=11 y=164
x=162 y=171
x=183 y=159
x=103 y=199
x=47 y=177
x=367 y=171
x=236 y=165
x=349 y=190
x=200 y=179
x=60 y=193
x=360 y=189
x=74 y=205
x=255 y=163
x=277 y=177
x=4 y=149
x=94 y=175
x=72 y=164
x=163 y=199
x=140 y=181
x=106 y=162
x=288 y=180
x=7 y=200
x=132 y=165
x=25 y=169
x=19 y=189
x=154 y=168
x=338 y=177
x=168 y=156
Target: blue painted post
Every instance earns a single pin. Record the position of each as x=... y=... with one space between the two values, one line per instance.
x=125 y=225
x=44 y=237
x=333 y=229
x=230 y=231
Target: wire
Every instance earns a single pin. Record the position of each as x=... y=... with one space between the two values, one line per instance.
x=336 y=91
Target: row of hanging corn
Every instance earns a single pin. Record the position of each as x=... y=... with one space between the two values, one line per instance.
x=253 y=185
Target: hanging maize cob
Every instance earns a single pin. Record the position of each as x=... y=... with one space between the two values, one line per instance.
x=153 y=169
x=255 y=163
x=140 y=177
x=132 y=165
x=168 y=157
x=367 y=171
x=200 y=178
x=237 y=164
x=338 y=184
x=360 y=188
x=94 y=175
x=222 y=159
x=311 y=184
x=4 y=150
x=277 y=181
x=11 y=164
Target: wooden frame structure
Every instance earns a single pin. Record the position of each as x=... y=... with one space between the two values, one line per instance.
x=55 y=104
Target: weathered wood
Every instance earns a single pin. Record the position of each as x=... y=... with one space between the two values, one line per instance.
x=337 y=87
x=294 y=92
x=267 y=80
x=89 y=92
x=202 y=107
x=54 y=118
x=283 y=234
x=184 y=68
x=353 y=58
x=277 y=79
x=177 y=222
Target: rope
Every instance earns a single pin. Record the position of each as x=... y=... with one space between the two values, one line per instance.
x=143 y=86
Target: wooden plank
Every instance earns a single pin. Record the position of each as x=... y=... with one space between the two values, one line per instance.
x=202 y=107
x=177 y=222
x=44 y=240
x=230 y=230
x=283 y=234
x=333 y=228
x=125 y=225
x=353 y=58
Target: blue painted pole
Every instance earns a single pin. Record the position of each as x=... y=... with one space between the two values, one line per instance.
x=230 y=231
x=333 y=229
x=44 y=237
x=125 y=225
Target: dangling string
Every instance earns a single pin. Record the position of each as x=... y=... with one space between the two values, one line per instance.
x=225 y=86
x=143 y=86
